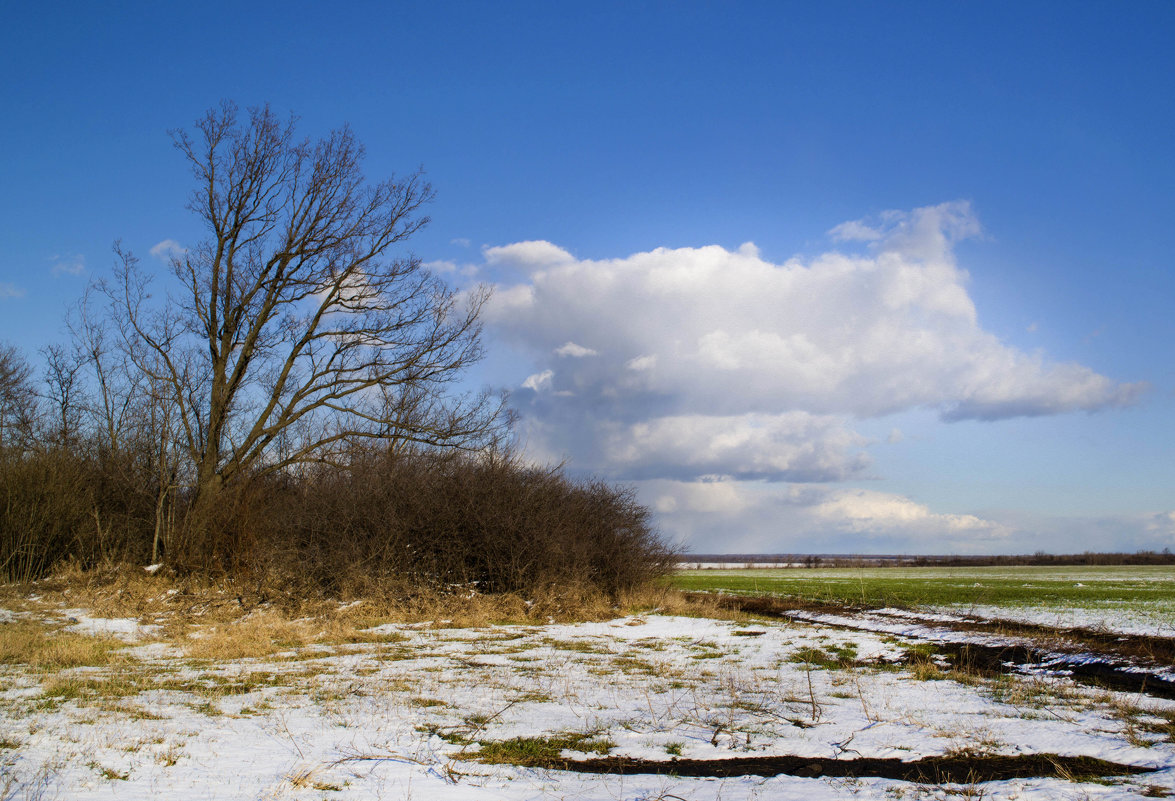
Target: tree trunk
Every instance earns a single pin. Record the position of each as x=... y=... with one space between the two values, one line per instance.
x=202 y=544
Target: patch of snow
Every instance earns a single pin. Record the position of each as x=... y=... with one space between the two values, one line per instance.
x=1153 y=620
x=127 y=629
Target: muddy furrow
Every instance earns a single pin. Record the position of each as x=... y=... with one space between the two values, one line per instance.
x=992 y=660
x=929 y=770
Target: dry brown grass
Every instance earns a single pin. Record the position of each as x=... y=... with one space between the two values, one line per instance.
x=266 y=632
x=46 y=647
x=227 y=620
x=1145 y=723
x=260 y=634
x=121 y=590
x=119 y=684
x=666 y=600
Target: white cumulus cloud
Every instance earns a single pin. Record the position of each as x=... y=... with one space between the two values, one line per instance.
x=794 y=446
x=754 y=516
x=539 y=381
x=694 y=333
x=872 y=512
x=448 y=267
x=167 y=249
x=1164 y=525
x=721 y=380
x=927 y=233
x=74 y=264
x=528 y=256
x=574 y=351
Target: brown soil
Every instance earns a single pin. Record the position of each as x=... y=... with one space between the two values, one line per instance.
x=931 y=770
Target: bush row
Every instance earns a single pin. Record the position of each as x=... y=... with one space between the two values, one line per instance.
x=431 y=520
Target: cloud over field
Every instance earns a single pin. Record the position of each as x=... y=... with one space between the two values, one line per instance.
x=688 y=363
x=748 y=517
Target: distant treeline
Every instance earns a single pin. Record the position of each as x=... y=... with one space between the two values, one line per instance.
x=1164 y=557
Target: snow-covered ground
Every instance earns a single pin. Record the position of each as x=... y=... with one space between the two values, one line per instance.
x=402 y=719
x=1124 y=618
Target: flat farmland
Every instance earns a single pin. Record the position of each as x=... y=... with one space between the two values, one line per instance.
x=1136 y=599
x=145 y=690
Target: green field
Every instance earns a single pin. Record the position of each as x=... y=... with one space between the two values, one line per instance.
x=1149 y=589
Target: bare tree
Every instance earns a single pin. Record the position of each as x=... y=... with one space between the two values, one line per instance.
x=63 y=384
x=117 y=387
x=17 y=400
x=298 y=331
x=160 y=442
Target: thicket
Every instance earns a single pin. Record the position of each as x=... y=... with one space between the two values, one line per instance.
x=282 y=408
x=384 y=521
x=57 y=504
x=90 y=475
x=445 y=520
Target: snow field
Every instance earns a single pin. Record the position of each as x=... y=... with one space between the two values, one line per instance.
x=405 y=718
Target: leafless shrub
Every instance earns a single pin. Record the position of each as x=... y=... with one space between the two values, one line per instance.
x=460 y=523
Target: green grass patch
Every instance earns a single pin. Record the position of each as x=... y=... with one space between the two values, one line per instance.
x=1142 y=588
x=633 y=665
x=835 y=657
x=451 y=736
x=110 y=774
x=75 y=688
x=207 y=708
x=426 y=703
x=1160 y=722
x=538 y=751
x=577 y=646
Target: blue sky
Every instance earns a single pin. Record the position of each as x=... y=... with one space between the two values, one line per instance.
x=1009 y=164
